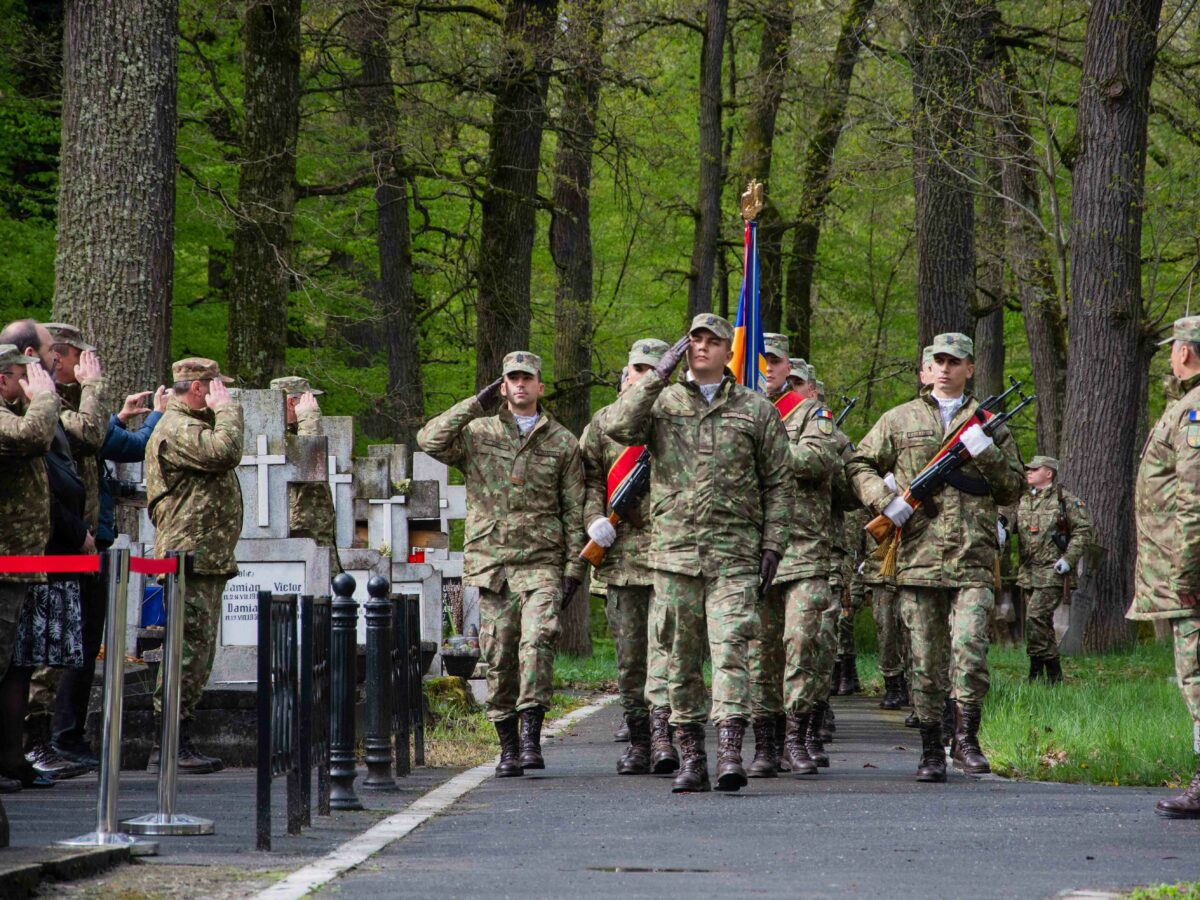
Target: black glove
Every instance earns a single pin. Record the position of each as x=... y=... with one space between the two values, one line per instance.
x=766 y=572
x=569 y=587
x=671 y=358
x=490 y=395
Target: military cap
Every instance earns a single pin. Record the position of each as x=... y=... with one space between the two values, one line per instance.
x=647 y=352
x=775 y=345
x=820 y=390
x=1185 y=329
x=11 y=356
x=927 y=356
x=61 y=333
x=1038 y=462
x=293 y=384
x=800 y=369
x=523 y=361
x=714 y=323
x=197 y=368
x=953 y=343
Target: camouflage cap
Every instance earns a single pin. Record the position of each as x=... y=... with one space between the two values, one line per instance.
x=293 y=384
x=1185 y=329
x=197 y=368
x=800 y=369
x=714 y=323
x=926 y=356
x=953 y=343
x=775 y=345
x=647 y=352
x=61 y=333
x=523 y=361
x=11 y=356
x=1038 y=461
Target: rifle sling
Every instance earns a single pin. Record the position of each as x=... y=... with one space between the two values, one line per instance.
x=958 y=479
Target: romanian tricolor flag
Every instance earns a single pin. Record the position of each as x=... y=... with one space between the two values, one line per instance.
x=749 y=364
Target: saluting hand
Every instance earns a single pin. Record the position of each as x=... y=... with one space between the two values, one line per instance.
x=88 y=366
x=36 y=381
x=161 y=396
x=490 y=395
x=671 y=358
x=218 y=395
x=132 y=406
x=307 y=403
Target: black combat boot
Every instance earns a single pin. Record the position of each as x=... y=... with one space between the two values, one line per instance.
x=968 y=757
x=812 y=739
x=766 y=753
x=531 y=737
x=905 y=691
x=849 y=683
x=731 y=776
x=664 y=758
x=892 y=696
x=636 y=760
x=509 y=732
x=621 y=735
x=781 y=739
x=835 y=682
x=1186 y=805
x=1054 y=670
x=1037 y=666
x=692 y=777
x=828 y=722
x=799 y=762
x=932 y=766
x=911 y=720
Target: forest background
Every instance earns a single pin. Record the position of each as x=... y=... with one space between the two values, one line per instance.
x=388 y=195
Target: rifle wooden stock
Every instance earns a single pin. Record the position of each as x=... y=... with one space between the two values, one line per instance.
x=881 y=528
x=593 y=552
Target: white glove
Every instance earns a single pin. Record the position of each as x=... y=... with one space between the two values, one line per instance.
x=890 y=480
x=976 y=440
x=861 y=566
x=602 y=532
x=898 y=511
x=1001 y=533
x=1062 y=567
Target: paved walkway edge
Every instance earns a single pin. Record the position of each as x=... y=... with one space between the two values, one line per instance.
x=358 y=850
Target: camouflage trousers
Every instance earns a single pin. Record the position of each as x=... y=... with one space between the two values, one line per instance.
x=1187 y=661
x=642 y=661
x=691 y=610
x=1040 y=604
x=950 y=629
x=766 y=655
x=852 y=602
x=518 y=633
x=890 y=630
x=806 y=607
x=827 y=648
x=201 y=619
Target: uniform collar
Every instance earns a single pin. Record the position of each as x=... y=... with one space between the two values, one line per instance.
x=509 y=422
x=203 y=415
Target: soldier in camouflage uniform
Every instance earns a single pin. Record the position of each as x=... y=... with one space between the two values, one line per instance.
x=721 y=497
x=29 y=409
x=944 y=563
x=1167 y=511
x=195 y=503
x=1045 y=565
x=310 y=505
x=524 y=533
x=629 y=580
x=854 y=595
x=786 y=650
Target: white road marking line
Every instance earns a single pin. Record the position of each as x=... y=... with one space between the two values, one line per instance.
x=359 y=849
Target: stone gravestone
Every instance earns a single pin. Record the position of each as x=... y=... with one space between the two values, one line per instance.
x=339 y=432
x=453 y=507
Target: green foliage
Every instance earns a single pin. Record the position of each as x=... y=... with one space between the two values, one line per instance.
x=1181 y=891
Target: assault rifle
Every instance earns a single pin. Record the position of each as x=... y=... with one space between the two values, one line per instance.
x=624 y=498
x=952 y=457
x=850 y=403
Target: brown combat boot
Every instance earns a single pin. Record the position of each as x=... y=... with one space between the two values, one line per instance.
x=799 y=762
x=730 y=774
x=692 y=777
x=932 y=766
x=636 y=760
x=509 y=733
x=766 y=752
x=892 y=697
x=812 y=739
x=531 y=737
x=1186 y=805
x=621 y=735
x=848 y=682
x=967 y=753
x=664 y=758
x=781 y=739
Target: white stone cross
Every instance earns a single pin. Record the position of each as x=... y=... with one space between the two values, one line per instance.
x=263 y=461
x=335 y=482
x=388 y=525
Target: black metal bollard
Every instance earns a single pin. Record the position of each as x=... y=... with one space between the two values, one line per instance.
x=416 y=683
x=401 y=693
x=378 y=740
x=343 y=652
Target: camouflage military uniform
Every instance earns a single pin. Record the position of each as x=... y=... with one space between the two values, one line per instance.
x=195 y=503
x=1037 y=520
x=890 y=632
x=1167 y=510
x=855 y=594
x=86 y=425
x=944 y=563
x=524 y=531
x=720 y=495
x=841 y=561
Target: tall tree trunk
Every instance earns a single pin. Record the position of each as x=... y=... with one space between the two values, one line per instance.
x=815 y=181
x=708 y=204
x=757 y=146
x=945 y=47
x=367 y=30
x=116 y=207
x=987 y=307
x=509 y=197
x=571 y=247
x=262 y=238
x=1106 y=307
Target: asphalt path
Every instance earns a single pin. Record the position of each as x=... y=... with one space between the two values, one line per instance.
x=862 y=827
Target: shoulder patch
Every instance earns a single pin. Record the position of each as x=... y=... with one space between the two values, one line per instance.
x=1192 y=432
x=825 y=421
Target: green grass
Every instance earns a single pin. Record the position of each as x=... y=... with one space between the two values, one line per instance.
x=1183 y=891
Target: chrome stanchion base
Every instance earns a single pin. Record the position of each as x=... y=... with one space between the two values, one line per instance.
x=176 y=823
x=137 y=846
